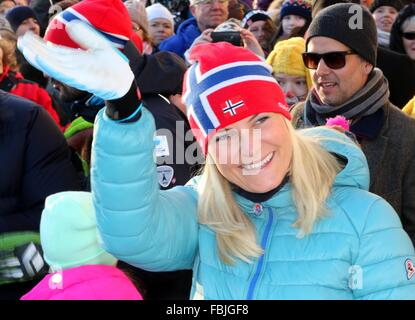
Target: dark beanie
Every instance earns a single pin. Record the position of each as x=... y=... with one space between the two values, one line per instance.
x=319 y=5
x=252 y=16
x=301 y=8
x=333 y=22
x=18 y=14
x=397 y=4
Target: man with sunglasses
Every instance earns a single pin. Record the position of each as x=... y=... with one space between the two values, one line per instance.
x=207 y=14
x=341 y=60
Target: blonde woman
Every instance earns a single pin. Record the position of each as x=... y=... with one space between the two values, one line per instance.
x=276 y=214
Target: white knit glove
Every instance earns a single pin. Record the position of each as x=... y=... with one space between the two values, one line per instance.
x=100 y=69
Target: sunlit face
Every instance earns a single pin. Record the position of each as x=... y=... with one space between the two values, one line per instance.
x=210 y=13
x=254 y=153
x=337 y=86
x=261 y=32
x=409 y=45
x=294 y=87
x=6 y=5
x=29 y=24
x=160 y=29
x=385 y=17
x=290 y=22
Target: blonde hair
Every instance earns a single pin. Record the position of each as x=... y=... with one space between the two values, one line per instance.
x=312 y=173
x=9 y=57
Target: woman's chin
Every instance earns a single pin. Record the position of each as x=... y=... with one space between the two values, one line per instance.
x=262 y=187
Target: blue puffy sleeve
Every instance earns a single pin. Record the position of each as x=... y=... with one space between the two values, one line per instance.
x=384 y=266
x=139 y=224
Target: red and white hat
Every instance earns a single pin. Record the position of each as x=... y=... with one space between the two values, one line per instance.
x=109 y=17
x=227 y=84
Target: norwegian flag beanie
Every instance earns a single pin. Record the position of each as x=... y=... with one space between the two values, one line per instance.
x=226 y=84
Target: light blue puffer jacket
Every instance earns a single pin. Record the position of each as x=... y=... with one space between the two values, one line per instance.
x=359 y=251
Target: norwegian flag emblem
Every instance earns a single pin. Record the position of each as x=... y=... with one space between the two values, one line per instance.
x=213 y=96
x=231 y=107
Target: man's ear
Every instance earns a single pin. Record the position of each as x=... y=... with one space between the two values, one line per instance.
x=192 y=9
x=367 y=67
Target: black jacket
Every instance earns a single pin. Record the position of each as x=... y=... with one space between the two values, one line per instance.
x=158 y=76
x=399 y=69
x=35 y=163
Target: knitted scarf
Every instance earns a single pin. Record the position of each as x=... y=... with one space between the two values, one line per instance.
x=373 y=96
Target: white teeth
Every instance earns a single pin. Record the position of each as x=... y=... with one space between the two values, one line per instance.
x=260 y=164
x=326 y=85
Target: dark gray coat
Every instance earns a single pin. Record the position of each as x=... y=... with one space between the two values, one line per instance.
x=391 y=159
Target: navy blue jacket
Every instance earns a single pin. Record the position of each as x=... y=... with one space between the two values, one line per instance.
x=183 y=39
x=35 y=163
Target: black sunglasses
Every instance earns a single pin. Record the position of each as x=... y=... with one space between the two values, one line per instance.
x=409 y=35
x=333 y=60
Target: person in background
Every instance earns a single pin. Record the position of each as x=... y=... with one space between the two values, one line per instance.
x=23 y=19
x=289 y=211
x=36 y=162
x=289 y=70
x=385 y=12
x=346 y=83
x=207 y=14
x=160 y=22
x=138 y=15
x=6 y=5
x=295 y=15
x=80 y=267
x=274 y=11
x=248 y=39
x=261 y=26
x=398 y=68
x=237 y=9
x=409 y=109
x=403 y=32
x=13 y=82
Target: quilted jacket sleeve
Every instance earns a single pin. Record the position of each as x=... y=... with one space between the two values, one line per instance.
x=139 y=224
x=384 y=265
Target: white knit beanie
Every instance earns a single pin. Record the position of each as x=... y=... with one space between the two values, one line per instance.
x=157 y=10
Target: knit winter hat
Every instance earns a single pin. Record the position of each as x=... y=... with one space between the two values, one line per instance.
x=397 y=4
x=69 y=234
x=18 y=14
x=227 y=84
x=252 y=16
x=286 y=58
x=300 y=8
x=157 y=11
x=334 y=22
x=109 y=17
x=231 y=24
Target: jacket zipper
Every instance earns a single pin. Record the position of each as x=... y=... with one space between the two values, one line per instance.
x=264 y=241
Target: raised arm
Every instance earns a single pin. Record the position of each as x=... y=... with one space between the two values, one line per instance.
x=153 y=229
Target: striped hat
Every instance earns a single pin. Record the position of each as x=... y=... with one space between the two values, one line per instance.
x=109 y=17
x=227 y=84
